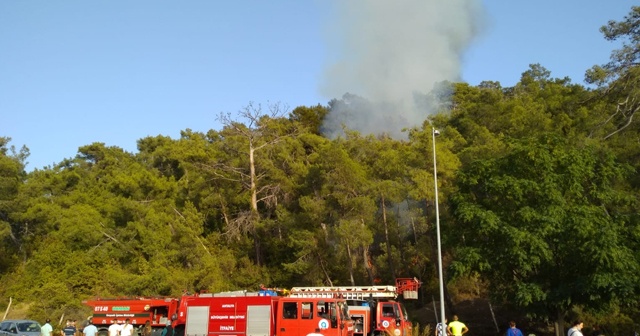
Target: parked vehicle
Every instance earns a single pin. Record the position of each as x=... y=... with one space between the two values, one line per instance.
x=255 y=314
x=19 y=328
x=230 y=313
x=139 y=310
x=374 y=309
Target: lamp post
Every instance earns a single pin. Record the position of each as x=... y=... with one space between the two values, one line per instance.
x=435 y=132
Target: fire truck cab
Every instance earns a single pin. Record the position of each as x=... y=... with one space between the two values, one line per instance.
x=300 y=316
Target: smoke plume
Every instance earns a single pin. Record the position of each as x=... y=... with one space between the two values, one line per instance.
x=387 y=53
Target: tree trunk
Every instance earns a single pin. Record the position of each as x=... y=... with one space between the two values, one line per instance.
x=399 y=233
x=252 y=177
x=367 y=264
x=326 y=233
x=256 y=245
x=386 y=237
x=350 y=264
x=415 y=234
x=324 y=270
x=365 y=258
x=254 y=203
x=559 y=324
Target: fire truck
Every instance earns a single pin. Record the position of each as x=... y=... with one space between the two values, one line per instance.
x=231 y=313
x=260 y=313
x=374 y=309
x=139 y=310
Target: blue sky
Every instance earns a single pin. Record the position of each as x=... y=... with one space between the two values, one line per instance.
x=74 y=72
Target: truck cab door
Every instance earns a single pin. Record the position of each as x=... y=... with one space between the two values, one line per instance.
x=332 y=319
x=390 y=318
x=287 y=319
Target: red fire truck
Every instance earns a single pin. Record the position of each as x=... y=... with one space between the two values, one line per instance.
x=230 y=313
x=374 y=309
x=139 y=310
x=243 y=313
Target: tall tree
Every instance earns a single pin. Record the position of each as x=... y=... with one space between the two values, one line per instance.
x=618 y=90
x=346 y=193
x=546 y=224
x=620 y=77
x=259 y=133
x=384 y=161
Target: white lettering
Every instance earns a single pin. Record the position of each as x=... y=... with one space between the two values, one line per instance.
x=226 y=328
x=227 y=317
x=228 y=305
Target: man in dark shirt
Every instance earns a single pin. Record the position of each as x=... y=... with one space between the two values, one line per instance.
x=69 y=329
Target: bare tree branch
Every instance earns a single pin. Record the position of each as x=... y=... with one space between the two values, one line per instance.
x=630 y=118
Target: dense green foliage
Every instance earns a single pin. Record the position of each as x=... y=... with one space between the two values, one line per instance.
x=538 y=186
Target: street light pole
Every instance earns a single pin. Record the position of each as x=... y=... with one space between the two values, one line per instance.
x=435 y=132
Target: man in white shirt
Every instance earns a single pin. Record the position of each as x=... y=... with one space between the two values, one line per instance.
x=90 y=330
x=127 y=328
x=440 y=329
x=46 y=328
x=114 y=328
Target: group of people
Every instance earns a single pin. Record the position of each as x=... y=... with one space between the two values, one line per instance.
x=115 y=329
x=457 y=328
x=88 y=330
x=70 y=329
x=127 y=329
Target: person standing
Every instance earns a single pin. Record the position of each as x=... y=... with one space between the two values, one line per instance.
x=146 y=330
x=127 y=328
x=114 y=328
x=46 y=329
x=440 y=328
x=69 y=329
x=168 y=330
x=90 y=329
x=457 y=328
x=576 y=330
x=513 y=331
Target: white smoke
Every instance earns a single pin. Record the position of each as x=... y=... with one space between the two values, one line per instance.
x=387 y=51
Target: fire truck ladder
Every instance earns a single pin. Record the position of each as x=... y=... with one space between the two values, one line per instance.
x=408 y=287
x=349 y=293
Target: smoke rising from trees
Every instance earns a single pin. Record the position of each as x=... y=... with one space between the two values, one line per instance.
x=390 y=53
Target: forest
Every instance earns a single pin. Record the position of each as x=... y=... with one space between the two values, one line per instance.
x=538 y=195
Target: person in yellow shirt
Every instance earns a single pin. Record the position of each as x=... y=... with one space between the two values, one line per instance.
x=457 y=328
